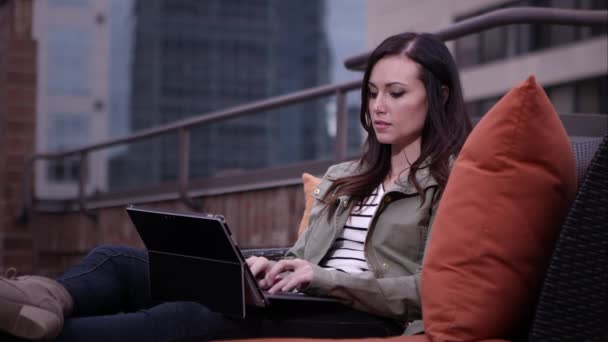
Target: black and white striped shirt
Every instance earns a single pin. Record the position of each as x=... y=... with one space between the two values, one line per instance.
x=346 y=254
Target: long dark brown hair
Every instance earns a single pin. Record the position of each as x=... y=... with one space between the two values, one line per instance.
x=445 y=129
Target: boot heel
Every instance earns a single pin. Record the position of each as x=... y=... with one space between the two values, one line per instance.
x=29 y=322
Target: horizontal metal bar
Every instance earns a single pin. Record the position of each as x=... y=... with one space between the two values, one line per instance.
x=221 y=185
x=214 y=116
x=501 y=17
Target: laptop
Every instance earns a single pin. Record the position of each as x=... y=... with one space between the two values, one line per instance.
x=192 y=257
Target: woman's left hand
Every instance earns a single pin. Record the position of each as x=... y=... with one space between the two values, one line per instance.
x=300 y=275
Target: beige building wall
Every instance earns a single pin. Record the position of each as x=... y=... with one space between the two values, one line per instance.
x=551 y=66
x=91 y=19
x=388 y=17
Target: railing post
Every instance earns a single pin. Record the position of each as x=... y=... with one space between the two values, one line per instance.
x=341 y=125
x=184 y=168
x=83 y=175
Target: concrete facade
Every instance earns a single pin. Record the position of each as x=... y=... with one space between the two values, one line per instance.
x=552 y=66
x=72 y=91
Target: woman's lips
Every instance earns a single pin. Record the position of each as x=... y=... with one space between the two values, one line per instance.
x=381 y=125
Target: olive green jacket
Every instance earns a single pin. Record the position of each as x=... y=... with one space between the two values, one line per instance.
x=394 y=247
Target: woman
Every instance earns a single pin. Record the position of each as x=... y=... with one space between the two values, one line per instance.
x=364 y=244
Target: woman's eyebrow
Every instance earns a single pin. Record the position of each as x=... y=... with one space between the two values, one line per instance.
x=388 y=84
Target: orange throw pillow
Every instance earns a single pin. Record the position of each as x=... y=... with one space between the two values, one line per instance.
x=498 y=220
x=310 y=183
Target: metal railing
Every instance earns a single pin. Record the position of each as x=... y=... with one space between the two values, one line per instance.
x=182 y=188
x=183 y=128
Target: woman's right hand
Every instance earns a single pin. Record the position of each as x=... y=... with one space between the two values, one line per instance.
x=259 y=266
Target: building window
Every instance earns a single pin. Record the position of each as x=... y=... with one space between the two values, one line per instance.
x=582 y=96
x=66 y=131
x=563 y=98
x=592 y=95
x=66 y=170
x=512 y=40
x=68 y=61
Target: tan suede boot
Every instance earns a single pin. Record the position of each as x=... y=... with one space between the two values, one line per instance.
x=33 y=307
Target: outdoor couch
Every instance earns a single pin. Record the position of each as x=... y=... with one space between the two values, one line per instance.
x=540 y=281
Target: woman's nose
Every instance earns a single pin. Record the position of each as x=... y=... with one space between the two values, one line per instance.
x=379 y=106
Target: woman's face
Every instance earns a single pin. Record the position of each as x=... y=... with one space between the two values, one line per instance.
x=397 y=101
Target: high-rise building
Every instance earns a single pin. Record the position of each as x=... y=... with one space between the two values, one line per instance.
x=571 y=62
x=192 y=57
x=303 y=51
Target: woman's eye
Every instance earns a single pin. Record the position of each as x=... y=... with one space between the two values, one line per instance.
x=372 y=94
x=397 y=94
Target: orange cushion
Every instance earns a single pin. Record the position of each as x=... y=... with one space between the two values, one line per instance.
x=310 y=183
x=498 y=220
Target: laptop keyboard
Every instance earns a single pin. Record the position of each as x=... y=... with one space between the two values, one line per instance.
x=268 y=253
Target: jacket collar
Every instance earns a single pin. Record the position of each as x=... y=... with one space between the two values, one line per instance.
x=423 y=175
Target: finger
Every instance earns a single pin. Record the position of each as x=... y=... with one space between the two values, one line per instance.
x=251 y=260
x=280 y=267
x=273 y=281
x=292 y=282
x=270 y=282
x=277 y=287
x=298 y=279
x=256 y=268
x=258 y=265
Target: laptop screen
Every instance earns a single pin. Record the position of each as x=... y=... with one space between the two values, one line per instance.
x=185 y=234
x=191 y=258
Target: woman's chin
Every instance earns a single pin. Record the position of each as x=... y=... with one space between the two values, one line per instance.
x=386 y=140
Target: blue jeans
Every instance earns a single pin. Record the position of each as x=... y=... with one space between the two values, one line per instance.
x=112 y=303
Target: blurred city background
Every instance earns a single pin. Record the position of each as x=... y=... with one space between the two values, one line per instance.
x=111 y=67
x=77 y=72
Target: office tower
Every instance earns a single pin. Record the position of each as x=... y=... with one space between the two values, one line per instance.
x=192 y=57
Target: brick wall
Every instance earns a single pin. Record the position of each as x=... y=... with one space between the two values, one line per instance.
x=261 y=218
x=17 y=127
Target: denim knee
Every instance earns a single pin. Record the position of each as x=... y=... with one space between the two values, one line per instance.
x=177 y=320
x=106 y=251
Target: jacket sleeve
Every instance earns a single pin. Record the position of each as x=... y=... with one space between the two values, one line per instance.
x=297 y=251
x=389 y=297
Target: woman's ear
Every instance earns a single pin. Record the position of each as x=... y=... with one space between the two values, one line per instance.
x=445 y=94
